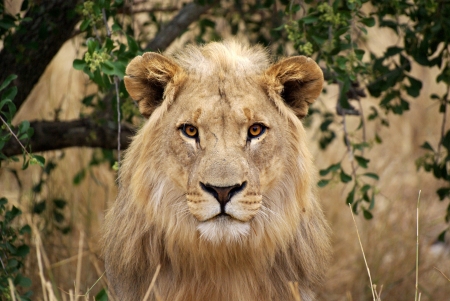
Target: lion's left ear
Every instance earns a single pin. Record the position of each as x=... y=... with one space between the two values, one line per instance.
x=298 y=80
x=148 y=79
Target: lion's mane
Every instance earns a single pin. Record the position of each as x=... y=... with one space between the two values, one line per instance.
x=150 y=223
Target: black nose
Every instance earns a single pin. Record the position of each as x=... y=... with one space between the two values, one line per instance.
x=223 y=194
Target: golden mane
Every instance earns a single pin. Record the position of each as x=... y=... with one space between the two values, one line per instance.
x=268 y=230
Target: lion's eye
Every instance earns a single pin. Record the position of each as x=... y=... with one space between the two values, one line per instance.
x=189 y=130
x=256 y=130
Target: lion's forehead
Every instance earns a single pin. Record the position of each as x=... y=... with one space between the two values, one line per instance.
x=222 y=103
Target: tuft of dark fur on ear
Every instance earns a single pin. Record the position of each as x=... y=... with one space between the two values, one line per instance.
x=301 y=80
x=147 y=80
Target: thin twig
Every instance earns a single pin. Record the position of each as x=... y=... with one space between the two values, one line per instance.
x=87 y=293
x=108 y=31
x=67 y=260
x=79 y=264
x=147 y=294
x=15 y=136
x=417 y=297
x=349 y=149
x=41 y=269
x=12 y=290
x=361 y=114
x=444 y=119
x=448 y=279
x=362 y=250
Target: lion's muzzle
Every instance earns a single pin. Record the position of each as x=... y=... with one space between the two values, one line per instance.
x=223 y=194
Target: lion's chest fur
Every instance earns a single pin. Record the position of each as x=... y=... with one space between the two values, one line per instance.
x=231 y=281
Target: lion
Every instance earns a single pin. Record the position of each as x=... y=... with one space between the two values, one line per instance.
x=217 y=189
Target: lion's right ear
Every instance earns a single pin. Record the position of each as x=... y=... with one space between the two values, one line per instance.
x=148 y=79
x=297 y=80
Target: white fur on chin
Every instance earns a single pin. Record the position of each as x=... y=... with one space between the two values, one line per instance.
x=223 y=229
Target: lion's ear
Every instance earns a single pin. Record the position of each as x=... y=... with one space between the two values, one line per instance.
x=147 y=79
x=301 y=81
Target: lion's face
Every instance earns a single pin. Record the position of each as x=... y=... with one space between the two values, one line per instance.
x=228 y=147
x=226 y=132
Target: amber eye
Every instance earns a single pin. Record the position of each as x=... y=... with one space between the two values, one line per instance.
x=256 y=130
x=189 y=130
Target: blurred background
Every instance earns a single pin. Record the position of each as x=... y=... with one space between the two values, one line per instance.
x=378 y=133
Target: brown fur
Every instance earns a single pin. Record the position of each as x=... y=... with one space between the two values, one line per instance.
x=277 y=232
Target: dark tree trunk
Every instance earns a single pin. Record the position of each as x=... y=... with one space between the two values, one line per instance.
x=52 y=135
x=30 y=49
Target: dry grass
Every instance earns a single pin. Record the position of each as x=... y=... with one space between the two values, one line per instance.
x=69 y=267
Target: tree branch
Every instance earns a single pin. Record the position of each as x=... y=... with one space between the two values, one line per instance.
x=188 y=14
x=52 y=135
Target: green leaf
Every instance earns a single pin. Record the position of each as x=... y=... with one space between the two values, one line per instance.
x=372 y=175
x=446 y=140
x=12 y=214
x=102 y=295
x=40 y=160
x=369 y=22
x=362 y=161
x=8 y=80
x=10 y=93
x=23 y=251
x=3 y=201
x=345 y=178
x=207 y=23
x=359 y=54
x=309 y=19
x=323 y=183
x=391 y=51
x=59 y=203
x=24 y=126
x=92 y=45
x=12 y=263
x=365 y=188
x=427 y=146
x=25 y=230
x=79 y=64
x=79 y=177
x=333 y=167
x=443 y=193
x=107 y=68
x=116 y=27
x=320 y=40
x=132 y=45
x=367 y=214
x=39 y=207
x=22 y=281
x=58 y=216
x=119 y=69
x=351 y=196
x=85 y=24
x=414 y=88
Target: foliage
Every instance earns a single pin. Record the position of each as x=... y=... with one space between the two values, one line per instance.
x=13 y=251
x=24 y=129
x=331 y=32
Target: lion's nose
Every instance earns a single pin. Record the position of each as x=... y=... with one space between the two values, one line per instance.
x=223 y=194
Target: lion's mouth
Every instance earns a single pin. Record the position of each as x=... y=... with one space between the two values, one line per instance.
x=221 y=216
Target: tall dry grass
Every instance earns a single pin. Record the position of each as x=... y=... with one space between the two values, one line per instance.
x=66 y=267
